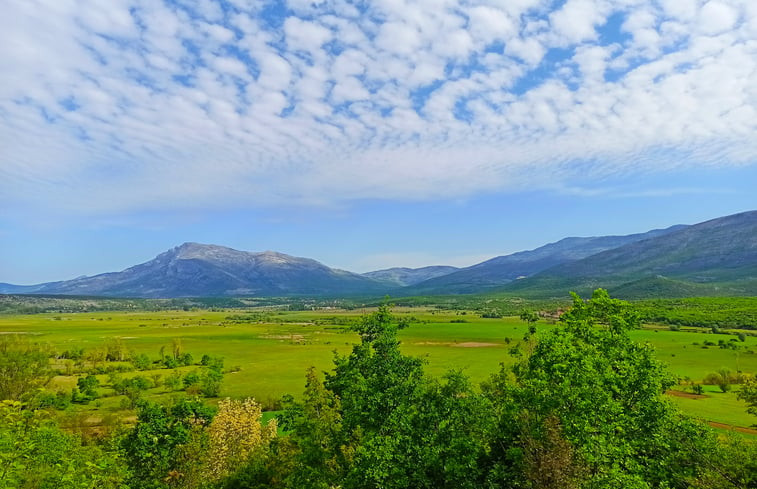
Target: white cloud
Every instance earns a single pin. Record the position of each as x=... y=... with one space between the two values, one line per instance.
x=193 y=105
x=716 y=17
x=305 y=35
x=575 y=22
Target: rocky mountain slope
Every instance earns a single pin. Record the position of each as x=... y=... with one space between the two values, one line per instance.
x=197 y=270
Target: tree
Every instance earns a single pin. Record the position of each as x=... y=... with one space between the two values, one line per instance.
x=748 y=393
x=115 y=350
x=605 y=393
x=86 y=389
x=173 y=382
x=322 y=450
x=379 y=421
x=141 y=361
x=375 y=377
x=210 y=382
x=529 y=317
x=35 y=453
x=153 y=448
x=234 y=434
x=24 y=367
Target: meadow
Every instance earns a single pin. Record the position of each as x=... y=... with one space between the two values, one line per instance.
x=267 y=351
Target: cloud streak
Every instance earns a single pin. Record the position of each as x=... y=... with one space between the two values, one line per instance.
x=155 y=104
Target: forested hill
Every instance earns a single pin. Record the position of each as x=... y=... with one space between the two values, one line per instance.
x=504 y=269
x=716 y=257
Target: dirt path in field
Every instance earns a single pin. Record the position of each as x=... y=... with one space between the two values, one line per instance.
x=473 y=344
x=466 y=344
x=686 y=395
x=714 y=424
x=740 y=429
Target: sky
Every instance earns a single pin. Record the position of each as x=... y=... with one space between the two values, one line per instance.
x=365 y=135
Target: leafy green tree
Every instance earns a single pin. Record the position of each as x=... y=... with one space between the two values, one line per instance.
x=378 y=421
x=748 y=393
x=86 y=389
x=173 y=382
x=321 y=449
x=605 y=393
x=153 y=449
x=88 y=385
x=210 y=382
x=141 y=361
x=434 y=438
x=24 y=367
x=35 y=453
x=529 y=317
x=376 y=376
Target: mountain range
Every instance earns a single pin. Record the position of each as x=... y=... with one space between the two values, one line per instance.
x=716 y=257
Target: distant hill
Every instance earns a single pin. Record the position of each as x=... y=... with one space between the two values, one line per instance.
x=501 y=270
x=713 y=258
x=197 y=270
x=409 y=276
x=716 y=257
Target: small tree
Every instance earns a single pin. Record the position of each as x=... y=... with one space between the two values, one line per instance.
x=530 y=317
x=235 y=433
x=748 y=393
x=154 y=448
x=173 y=382
x=141 y=361
x=86 y=389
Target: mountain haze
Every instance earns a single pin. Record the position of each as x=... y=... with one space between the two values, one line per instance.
x=400 y=276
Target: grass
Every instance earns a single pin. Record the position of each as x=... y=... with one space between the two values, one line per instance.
x=274 y=351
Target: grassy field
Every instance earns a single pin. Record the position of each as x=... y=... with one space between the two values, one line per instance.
x=273 y=349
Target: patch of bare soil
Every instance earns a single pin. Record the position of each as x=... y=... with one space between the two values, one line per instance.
x=687 y=395
x=293 y=337
x=740 y=429
x=474 y=344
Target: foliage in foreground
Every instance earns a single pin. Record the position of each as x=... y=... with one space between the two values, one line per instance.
x=582 y=408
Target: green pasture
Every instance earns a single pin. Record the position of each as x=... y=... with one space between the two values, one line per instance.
x=273 y=349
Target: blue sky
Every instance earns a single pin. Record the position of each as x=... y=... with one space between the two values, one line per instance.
x=365 y=134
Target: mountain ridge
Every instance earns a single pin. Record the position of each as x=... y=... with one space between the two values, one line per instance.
x=501 y=270
x=718 y=251
x=715 y=257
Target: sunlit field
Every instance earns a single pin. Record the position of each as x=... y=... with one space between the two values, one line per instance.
x=267 y=352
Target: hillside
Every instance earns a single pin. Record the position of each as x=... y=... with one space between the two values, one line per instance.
x=718 y=257
x=401 y=276
x=505 y=269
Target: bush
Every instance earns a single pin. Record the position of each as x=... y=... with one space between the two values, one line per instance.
x=191 y=379
x=141 y=362
x=56 y=400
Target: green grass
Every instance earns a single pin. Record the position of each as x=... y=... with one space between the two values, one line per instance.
x=274 y=355
x=717 y=406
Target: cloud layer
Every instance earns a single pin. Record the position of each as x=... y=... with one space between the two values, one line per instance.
x=137 y=104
